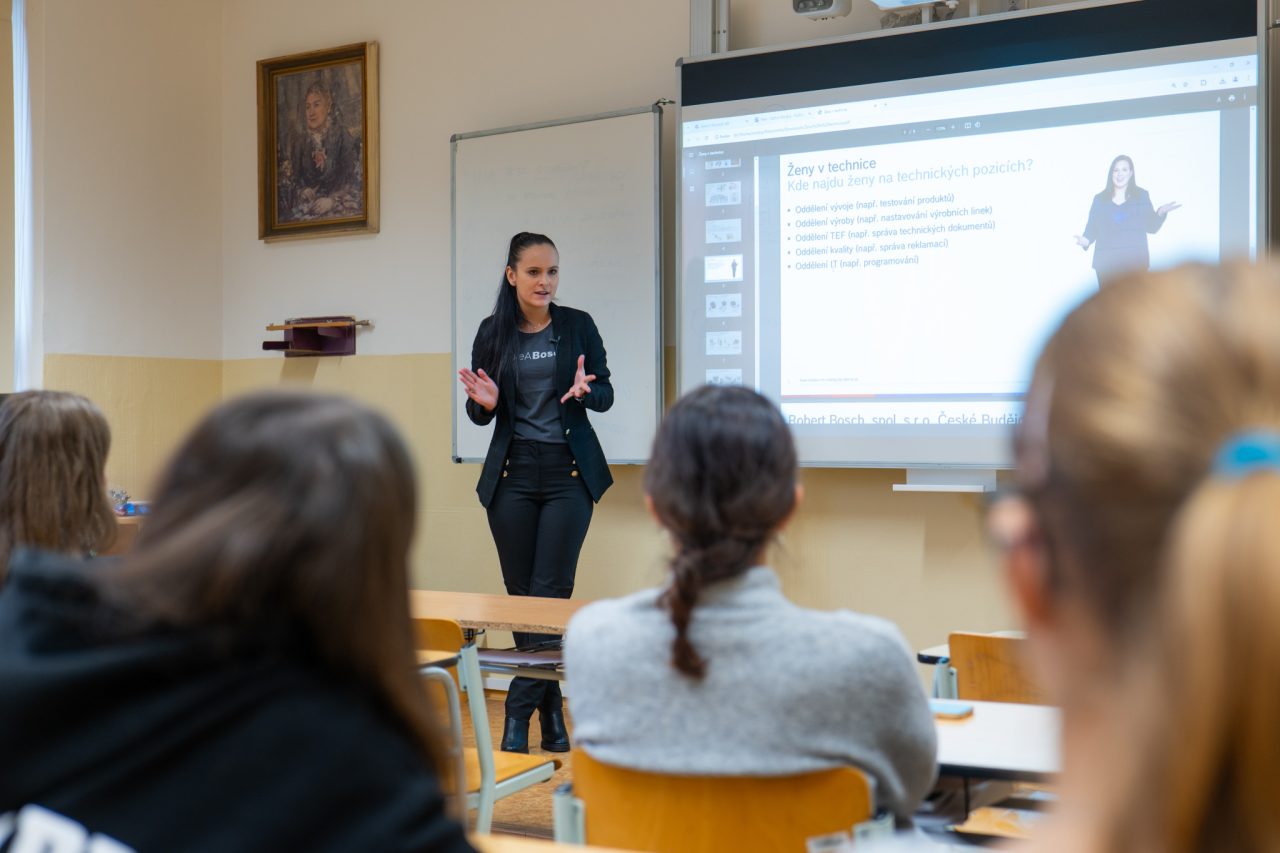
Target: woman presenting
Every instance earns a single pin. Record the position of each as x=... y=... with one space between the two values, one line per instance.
x=537 y=367
x=1120 y=219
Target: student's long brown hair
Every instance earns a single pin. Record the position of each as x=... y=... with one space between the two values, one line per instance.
x=722 y=480
x=1180 y=562
x=286 y=508
x=53 y=495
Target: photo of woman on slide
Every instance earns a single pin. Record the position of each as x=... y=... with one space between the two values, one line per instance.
x=536 y=368
x=1120 y=219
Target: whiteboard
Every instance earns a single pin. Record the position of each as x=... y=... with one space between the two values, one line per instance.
x=591 y=184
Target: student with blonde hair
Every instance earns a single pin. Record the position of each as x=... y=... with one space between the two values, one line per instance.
x=53 y=493
x=1143 y=555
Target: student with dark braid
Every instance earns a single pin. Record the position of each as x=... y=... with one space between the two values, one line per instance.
x=717 y=672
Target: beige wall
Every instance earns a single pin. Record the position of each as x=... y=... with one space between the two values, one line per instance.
x=917 y=559
x=454 y=549
x=151 y=403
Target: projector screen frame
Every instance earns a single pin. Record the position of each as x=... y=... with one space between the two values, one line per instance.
x=1027 y=38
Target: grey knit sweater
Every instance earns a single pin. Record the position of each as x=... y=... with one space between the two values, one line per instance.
x=787 y=690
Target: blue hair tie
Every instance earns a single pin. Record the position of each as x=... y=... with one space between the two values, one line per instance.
x=1248 y=452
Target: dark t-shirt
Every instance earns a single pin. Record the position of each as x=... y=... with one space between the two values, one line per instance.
x=537 y=407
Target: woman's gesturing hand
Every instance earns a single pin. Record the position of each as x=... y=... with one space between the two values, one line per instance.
x=480 y=387
x=580 y=379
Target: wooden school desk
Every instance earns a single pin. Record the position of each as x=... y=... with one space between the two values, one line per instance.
x=1002 y=740
x=479 y=611
x=126 y=532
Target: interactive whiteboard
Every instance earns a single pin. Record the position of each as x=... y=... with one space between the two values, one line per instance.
x=880 y=234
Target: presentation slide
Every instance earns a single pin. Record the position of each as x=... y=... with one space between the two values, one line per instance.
x=886 y=261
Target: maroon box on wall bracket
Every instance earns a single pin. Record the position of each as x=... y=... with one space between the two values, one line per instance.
x=312 y=336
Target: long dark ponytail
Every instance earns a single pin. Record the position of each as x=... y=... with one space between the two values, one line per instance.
x=722 y=479
x=499 y=338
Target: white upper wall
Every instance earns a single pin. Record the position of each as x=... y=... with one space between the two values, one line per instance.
x=129 y=184
x=759 y=23
x=445 y=68
x=146 y=161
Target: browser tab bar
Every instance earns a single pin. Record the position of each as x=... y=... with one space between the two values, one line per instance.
x=1181 y=78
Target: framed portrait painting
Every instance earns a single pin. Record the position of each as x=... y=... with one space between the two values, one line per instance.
x=318 y=143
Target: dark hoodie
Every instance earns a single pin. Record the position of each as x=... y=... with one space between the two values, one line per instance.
x=185 y=740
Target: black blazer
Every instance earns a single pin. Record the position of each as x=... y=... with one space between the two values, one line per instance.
x=574 y=333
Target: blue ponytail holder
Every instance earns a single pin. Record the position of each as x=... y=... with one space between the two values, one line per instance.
x=1248 y=452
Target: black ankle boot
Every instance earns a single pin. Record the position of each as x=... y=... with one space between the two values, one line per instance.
x=555 y=738
x=515 y=736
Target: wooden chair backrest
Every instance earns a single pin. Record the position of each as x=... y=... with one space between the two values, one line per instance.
x=992 y=668
x=638 y=810
x=442 y=634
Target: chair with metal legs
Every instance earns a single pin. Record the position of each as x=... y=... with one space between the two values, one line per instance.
x=436 y=667
x=490 y=775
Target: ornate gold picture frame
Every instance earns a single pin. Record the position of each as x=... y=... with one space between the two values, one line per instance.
x=318 y=143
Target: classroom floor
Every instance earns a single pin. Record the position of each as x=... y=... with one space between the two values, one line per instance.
x=529 y=811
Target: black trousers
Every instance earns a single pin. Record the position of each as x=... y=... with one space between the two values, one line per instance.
x=539 y=517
